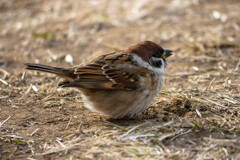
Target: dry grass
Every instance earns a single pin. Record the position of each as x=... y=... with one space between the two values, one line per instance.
x=196 y=116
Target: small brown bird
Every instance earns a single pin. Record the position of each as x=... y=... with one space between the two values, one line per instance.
x=120 y=84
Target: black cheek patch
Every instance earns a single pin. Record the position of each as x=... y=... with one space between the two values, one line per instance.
x=156 y=62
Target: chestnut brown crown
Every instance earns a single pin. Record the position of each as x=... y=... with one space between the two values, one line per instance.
x=145 y=50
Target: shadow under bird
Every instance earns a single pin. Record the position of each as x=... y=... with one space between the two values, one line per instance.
x=121 y=83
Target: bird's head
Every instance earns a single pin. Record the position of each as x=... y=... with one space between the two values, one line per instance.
x=151 y=53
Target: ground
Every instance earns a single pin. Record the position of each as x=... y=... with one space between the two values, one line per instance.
x=195 y=116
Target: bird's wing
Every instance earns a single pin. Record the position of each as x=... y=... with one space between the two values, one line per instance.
x=116 y=70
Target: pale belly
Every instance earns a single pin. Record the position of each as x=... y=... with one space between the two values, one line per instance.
x=121 y=103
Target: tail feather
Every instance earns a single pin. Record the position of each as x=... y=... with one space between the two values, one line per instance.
x=55 y=70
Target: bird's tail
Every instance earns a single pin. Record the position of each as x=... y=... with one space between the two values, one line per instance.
x=62 y=72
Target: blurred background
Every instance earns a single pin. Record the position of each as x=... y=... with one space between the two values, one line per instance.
x=48 y=30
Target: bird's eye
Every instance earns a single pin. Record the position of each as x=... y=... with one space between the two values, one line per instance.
x=158 y=54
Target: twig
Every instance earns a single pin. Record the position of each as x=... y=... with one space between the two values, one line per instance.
x=29 y=158
x=63 y=147
x=30 y=146
x=198 y=99
x=141 y=136
x=215 y=103
x=34 y=132
x=27 y=91
x=1 y=124
x=115 y=125
x=198 y=113
x=5 y=73
x=23 y=75
x=80 y=127
x=13 y=136
x=69 y=122
x=59 y=150
x=182 y=74
x=237 y=66
x=4 y=82
x=210 y=84
x=59 y=142
x=132 y=129
x=227 y=98
x=190 y=130
x=222 y=140
x=47 y=98
x=168 y=123
x=230 y=100
x=3 y=97
x=166 y=136
x=207 y=100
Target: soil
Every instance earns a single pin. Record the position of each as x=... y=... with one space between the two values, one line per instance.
x=195 y=116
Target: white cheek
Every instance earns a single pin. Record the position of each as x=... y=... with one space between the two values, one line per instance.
x=141 y=63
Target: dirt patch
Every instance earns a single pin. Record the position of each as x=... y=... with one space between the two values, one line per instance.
x=196 y=116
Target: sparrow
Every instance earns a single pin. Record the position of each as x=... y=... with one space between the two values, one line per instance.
x=120 y=84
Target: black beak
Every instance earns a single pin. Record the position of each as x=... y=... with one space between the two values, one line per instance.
x=167 y=53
